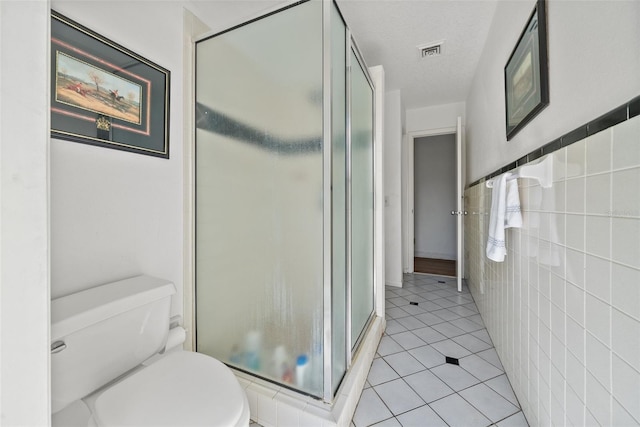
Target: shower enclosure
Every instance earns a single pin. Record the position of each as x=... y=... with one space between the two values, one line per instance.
x=284 y=197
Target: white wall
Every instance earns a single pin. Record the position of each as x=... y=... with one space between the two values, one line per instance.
x=116 y=214
x=24 y=227
x=435 y=197
x=594 y=63
x=392 y=188
x=377 y=75
x=434 y=117
x=193 y=29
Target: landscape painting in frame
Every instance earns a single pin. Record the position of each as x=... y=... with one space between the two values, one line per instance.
x=105 y=95
x=526 y=74
x=93 y=89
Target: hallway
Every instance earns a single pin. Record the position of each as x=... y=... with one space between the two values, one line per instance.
x=410 y=382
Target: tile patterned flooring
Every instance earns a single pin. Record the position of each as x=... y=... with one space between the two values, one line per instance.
x=410 y=383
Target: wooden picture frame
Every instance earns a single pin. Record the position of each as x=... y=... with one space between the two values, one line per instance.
x=526 y=74
x=104 y=94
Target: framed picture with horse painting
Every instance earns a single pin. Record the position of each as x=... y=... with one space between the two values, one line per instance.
x=104 y=94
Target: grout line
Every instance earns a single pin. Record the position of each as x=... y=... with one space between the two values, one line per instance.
x=610 y=308
x=583 y=321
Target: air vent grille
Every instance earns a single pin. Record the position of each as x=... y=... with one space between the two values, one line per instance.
x=431 y=49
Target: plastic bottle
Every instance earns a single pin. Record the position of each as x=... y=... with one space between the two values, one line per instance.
x=236 y=356
x=302 y=363
x=279 y=362
x=252 y=354
x=287 y=376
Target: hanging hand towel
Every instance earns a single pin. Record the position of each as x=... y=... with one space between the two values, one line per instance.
x=496 y=247
x=505 y=213
x=513 y=217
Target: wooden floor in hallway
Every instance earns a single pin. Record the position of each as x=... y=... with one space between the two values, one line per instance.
x=440 y=267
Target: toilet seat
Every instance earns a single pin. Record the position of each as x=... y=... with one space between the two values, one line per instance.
x=181 y=389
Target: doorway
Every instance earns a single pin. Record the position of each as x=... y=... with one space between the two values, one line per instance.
x=455 y=210
x=434 y=197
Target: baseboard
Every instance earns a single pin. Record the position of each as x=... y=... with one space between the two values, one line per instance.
x=395 y=284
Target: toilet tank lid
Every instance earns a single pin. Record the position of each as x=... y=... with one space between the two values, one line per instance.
x=85 y=308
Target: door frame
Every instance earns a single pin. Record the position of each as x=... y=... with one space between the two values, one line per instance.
x=408 y=188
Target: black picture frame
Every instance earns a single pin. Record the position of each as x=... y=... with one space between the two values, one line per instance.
x=105 y=95
x=526 y=75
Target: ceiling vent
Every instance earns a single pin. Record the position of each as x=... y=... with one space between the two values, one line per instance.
x=431 y=49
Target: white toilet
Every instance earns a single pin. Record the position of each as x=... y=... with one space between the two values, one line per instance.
x=107 y=370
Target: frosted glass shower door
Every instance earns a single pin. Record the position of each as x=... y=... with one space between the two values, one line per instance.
x=361 y=200
x=259 y=197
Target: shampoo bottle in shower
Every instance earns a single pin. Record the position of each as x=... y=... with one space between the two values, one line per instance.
x=302 y=363
x=252 y=353
x=279 y=362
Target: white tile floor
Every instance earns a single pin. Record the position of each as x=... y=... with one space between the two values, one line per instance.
x=410 y=384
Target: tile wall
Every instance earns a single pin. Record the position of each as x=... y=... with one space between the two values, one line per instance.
x=563 y=310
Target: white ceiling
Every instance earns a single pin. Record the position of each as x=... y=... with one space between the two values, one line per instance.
x=387 y=33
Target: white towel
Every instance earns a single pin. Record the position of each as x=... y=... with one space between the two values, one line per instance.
x=505 y=213
x=496 y=247
x=513 y=216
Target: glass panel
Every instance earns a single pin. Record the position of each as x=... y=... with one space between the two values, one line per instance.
x=259 y=203
x=361 y=200
x=339 y=186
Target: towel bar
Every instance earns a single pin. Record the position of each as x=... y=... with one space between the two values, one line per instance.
x=541 y=171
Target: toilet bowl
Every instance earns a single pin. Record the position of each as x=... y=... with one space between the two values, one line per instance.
x=109 y=366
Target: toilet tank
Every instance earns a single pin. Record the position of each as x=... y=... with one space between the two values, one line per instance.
x=100 y=333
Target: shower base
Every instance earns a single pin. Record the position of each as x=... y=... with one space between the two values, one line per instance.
x=273 y=406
